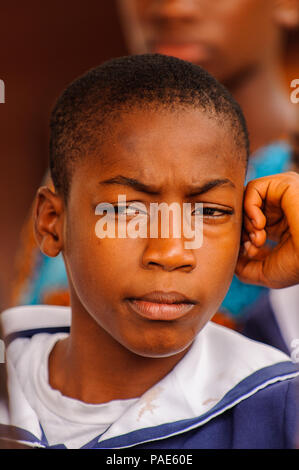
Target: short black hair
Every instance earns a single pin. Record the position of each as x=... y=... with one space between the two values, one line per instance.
x=80 y=116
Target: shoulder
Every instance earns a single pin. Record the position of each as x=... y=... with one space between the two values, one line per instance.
x=243 y=393
x=25 y=321
x=269 y=418
x=229 y=345
x=228 y=369
x=29 y=334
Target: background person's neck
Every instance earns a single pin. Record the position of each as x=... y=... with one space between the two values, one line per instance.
x=265 y=99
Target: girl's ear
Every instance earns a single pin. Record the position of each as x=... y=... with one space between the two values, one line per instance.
x=48 y=214
x=286 y=13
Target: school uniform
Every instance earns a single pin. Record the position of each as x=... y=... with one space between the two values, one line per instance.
x=274 y=320
x=227 y=392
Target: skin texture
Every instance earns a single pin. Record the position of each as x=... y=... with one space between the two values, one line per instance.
x=239 y=42
x=271 y=212
x=109 y=341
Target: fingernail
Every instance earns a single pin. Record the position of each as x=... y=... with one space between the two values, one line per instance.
x=246 y=246
x=252 y=236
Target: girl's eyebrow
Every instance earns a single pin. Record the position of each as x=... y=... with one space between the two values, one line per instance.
x=193 y=190
x=209 y=185
x=132 y=183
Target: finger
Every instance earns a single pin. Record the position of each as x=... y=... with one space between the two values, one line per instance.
x=245 y=236
x=250 y=271
x=258 y=237
x=273 y=193
x=253 y=203
x=248 y=225
x=250 y=251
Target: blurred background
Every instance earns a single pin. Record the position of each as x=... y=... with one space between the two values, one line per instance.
x=43 y=46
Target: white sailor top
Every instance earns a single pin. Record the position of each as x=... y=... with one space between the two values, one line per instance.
x=227 y=392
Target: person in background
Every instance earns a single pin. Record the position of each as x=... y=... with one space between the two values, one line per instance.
x=242 y=45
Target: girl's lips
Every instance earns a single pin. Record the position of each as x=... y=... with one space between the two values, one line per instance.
x=160 y=311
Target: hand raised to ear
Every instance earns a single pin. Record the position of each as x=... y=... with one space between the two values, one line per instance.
x=271 y=212
x=48 y=221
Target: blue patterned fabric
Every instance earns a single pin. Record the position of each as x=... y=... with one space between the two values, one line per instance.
x=50 y=275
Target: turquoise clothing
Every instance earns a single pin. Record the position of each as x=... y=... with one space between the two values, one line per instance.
x=50 y=275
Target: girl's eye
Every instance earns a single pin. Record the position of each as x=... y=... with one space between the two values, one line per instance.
x=130 y=210
x=213 y=212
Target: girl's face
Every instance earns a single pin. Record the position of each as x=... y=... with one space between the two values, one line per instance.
x=153 y=157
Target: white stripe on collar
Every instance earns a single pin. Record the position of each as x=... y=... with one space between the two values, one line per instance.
x=218 y=360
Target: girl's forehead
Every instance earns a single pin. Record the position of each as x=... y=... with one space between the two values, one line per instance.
x=168 y=152
x=183 y=138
